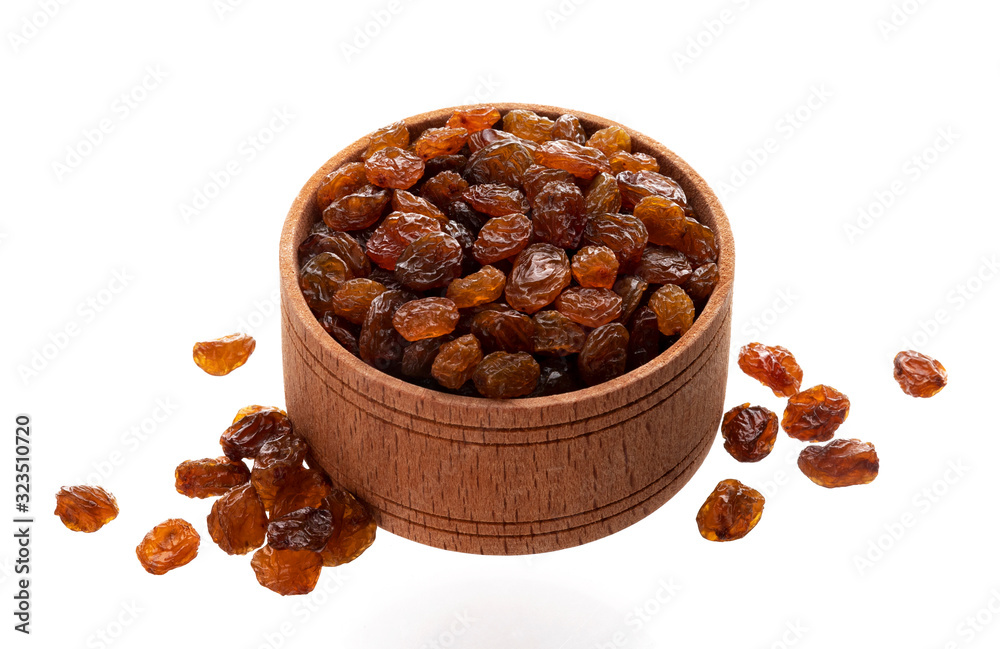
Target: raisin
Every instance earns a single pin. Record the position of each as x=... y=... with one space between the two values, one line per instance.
x=418 y=358
x=637 y=185
x=320 y=278
x=223 y=355
x=287 y=572
x=814 y=414
x=482 y=139
x=503 y=330
x=341 y=182
x=395 y=135
x=581 y=161
x=341 y=244
x=357 y=210
x=536 y=177
x=436 y=142
x=556 y=334
x=505 y=375
x=701 y=283
x=749 y=432
x=775 y=367
x=595 y=267
x=730 y=512
x=431 y=261
x=643 y=338
x=481 y=287
x=238 y=522
x=673 y=308
x=558 y=376
x=604 y=355
x=474 y=118
x=611 y=140
x=246 y=411
x=591 y=307
x=302 y=488
x=660 y=265
x=841 y=463
x=397 y=231
x=466 y=240
x=171 y=544
x=352 y=299
x=503 y=161
x=308 y=528
x=404 y=201
x=277 y=460
x=634 y=162
x=394 y=168
x=442 y=163
x=85 y=508
x=245 y=437
x=568 y=127
x=502 y=237
x=209 y=477
x=623 y=233
x=495 y=199
x=668 y=225
x=528 y=125
x=602 y=196
x=631 y=289
x=443 y=189
x=340 y=330
x=541 y=272
x=919 y=375
x=460 y=212
x=456 y=361
x=559 y=215
x=380 y=344
x=353 y=528
x=428 y=317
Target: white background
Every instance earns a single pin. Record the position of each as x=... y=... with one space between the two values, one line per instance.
x=872 y=100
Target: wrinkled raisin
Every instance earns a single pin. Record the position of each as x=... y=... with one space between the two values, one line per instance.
x=568 y=127
x=397 y=231
x=276 y=461
x=358 y=210
x=623 y=233
x=380 y=345
x=495 y=199
x=503 y=161
x=841 y=463
x=775 y=367
x=730 y=512
x=443 y=189
x=919 y=375
x=631 y=289
x=635 y=186
x=404 y=201
x=605 y=354
x=749 y=432
x=528 y=125
x=354 y=297
x=673 y=308
x=590 y=307
x=668 y=225
x=395 y=135
x=85 y=508
x=308 y=528
x=394 y=168
x=660 y=265
x=556 y=334
x=611 y=140
x=502 y=237
x=643 y=338
x=431 y=261
x=171 y=544
x=353 y=528
x=541 y=272
x=813 y=415
x=223 y=355
x=456 y=361
x=602 y=196
x=436 y=142
x=595 y=267
x=503 y=330
x=238 y=521
x=505 y=375
x=340 y=182
x=245 y=437
x=559 y=215
x=474 y=118
x=287 y=572
x=209 y=477
x=581 y=161
x=481 y=287
x=427 y=317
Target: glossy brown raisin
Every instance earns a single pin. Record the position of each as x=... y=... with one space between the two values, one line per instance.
x=474 y=118
x=308 y=528
x=223 y=355
x=344 y=332
x=621 y=161
x=418 y=358
x=775 y=367
x=436 y=142
x=749 y=432
x=841 y=463
x=443 y=189
x=643 y=338
x=673 y=308
x=354 y=297
x=602 y=196
x=404 y=201
x=730 y=512
x=503 y=161
x=238 y=522
x=590 y=307
x=568 y=127
x=460 y=212
x=668 y=225
x=245 y=437
x=595 y=267
x=528 y=125
x=455 y=163
x=481 y=287
x=495 y=199
x=246 y=411
x=395 y=135
x=505 y=375
x=623 y=233
x=503 y=330
x=394 y=168
x=701 y=283
x=277 y=460
x=611 y=140
x=813 y=415
x=635 y=186
x=287 y=572
x=581 y=161
x=558 y=376
x=456 y=361
x=556 y=334
x=320 y=278
x=380 y=345
x=559 y=215
x=397 y=231
x=536 y=177
x=541 y=272
x=502 y=237
x=301 y=488
x=358 y=210
x=661 y=265
x=605 y=354
x=919 y=375
x=353 y=528
x=171 y=544
x=488 y=136
x=341 y=244
x=427 y=317
x=209 y=477
x=431 y=261
x=341 y=182
x=85 y=508
x=632 y=289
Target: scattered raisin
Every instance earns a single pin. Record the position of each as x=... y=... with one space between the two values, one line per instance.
x=749 y=432
x=353 y=528
x=919 y=375
x=85 y=508
x=171 y=544
x=245 y=437
x=841 y=463
x=813 y=415
x=276 y=461
x=223 y=355
x=775 y=367
x=209 y=477
x=730 y=512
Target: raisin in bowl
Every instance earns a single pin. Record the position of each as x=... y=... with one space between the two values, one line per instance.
x=473 y=408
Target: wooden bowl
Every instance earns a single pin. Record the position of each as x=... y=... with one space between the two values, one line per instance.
x=519 y=476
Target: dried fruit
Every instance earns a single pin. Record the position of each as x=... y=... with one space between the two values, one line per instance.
x=556 y=334
x=595 y=267
x=668 y=225
x=404 y=201
x=341 y=244
x=353 y=528
x=503 y=330
x=435 y=142
x=209 y=477
x=730 y=512
x=395 y=134
x=354 y=297
x=397 y=231
x=814 y=414
x=536 y=177
x=568 y=127
x=635 y=186
x=302 y=488
x=505 y=375
x=581 y=161
x=540 y=274
x=340 y=182
x=701 y=283
x=238 y=522
x=528 y=125
x=380 y=345
x=591 y=307
x=85 y=508
x=474 y=118
x=643 y=338
x=481 y=287
x=503 y=161
x=919 y=375
x=623 y=233
x=673 y=308
x=344 y=332
x=774 y=367
x=428 y=317
x=611 y=140
x=494 y=199
x=171 y=544
x=621 y=161
x=287 y=572
x=245 y=437
x=631 y=289
x=223 y=355
x=559 y=214
x=602 y=196
x=277 y=460
x=443 y=189
x=502 y=237
x=246 y=411
x=320 y=278
x=660 y=265
x=558 y=377
x=394 y=168
x=418 y=358
x=308 y=528
x=456 y=361
x=431 y=261
x=749 y=432
x=605 y=354
x=357 y=210
x=841 y=463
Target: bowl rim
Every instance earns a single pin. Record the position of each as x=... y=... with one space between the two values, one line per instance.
x=300 y=217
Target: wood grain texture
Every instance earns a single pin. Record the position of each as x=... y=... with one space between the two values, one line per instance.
x=509 y=477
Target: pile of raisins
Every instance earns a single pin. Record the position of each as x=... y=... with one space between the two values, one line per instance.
x=505 y=259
